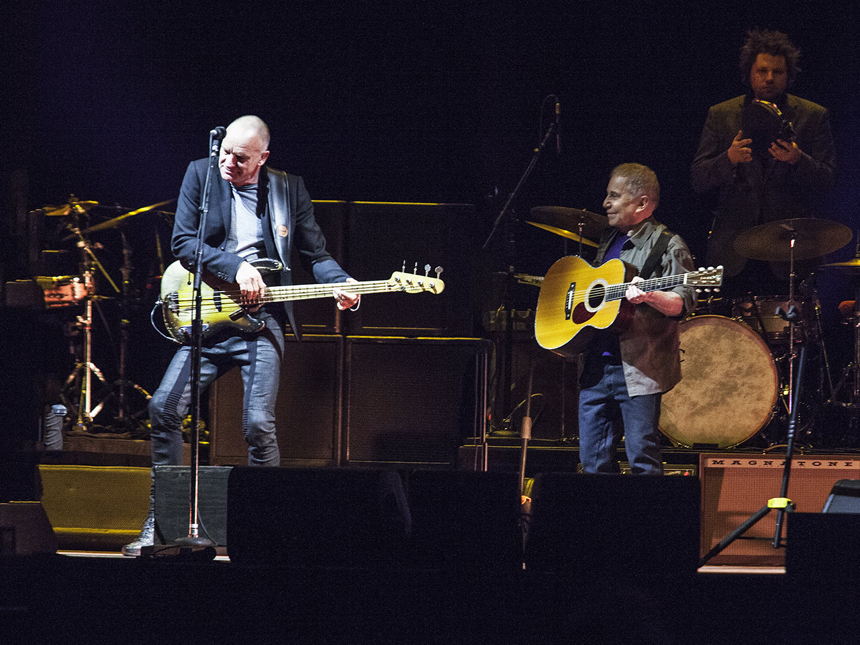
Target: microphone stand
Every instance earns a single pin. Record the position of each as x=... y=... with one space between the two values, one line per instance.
x=194 y=539
x=508 y=333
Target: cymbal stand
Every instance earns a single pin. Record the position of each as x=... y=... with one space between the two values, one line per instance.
x=790 y=315
x=86 y=368
x=125 y=323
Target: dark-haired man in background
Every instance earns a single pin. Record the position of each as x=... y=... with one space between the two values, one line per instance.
x=761 y=181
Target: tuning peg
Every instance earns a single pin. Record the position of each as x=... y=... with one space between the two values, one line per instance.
x=438 y=271
x=426 y=269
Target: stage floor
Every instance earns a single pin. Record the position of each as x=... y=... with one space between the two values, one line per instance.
x=105 y=597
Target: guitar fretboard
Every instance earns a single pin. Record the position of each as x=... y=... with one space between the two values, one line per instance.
x=618 y=291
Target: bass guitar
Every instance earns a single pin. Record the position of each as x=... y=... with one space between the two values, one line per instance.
x=220 y=300
x=576 y=298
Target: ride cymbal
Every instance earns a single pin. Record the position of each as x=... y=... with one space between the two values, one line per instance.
x=568 y=222
x=773 y=241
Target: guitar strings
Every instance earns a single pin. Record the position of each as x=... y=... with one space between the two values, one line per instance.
x=617 y=291
x=297 y=292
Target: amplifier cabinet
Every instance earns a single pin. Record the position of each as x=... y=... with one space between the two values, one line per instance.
x=735 y=486
x=308 y=411
x=388 y=237
x=320 y=315
x=412 y=400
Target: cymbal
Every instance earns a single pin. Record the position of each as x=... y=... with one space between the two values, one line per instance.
x=65 y=209
x=812 y=238
x=116 y=221
x=567 y=221
x=850 y=266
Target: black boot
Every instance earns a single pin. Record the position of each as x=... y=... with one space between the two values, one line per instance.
x=146 y=538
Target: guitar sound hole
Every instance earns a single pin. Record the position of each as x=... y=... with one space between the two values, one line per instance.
x=596 y=296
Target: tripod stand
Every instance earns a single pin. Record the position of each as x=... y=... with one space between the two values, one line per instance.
x=790 y=240
x=123 y=384
x=81 y=378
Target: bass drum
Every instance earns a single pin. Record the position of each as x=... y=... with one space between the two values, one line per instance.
x=728 y=388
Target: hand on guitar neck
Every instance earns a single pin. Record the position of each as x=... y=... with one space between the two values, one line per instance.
x=668 y=303
x=252 y=287
x=346 y=300
x=576 y=297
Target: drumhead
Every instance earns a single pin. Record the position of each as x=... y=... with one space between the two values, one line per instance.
x=728 y=389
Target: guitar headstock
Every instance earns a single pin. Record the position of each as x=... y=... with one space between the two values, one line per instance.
x=414 y=283
x=710 y=278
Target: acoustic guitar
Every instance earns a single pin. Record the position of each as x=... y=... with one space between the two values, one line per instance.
x=220 y=300
x=576 y=297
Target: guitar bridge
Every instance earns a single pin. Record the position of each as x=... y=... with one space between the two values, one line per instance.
x=568 y=301
x=172 y=302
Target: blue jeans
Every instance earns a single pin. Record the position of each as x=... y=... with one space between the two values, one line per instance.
x=607 y=412
x=259 y=358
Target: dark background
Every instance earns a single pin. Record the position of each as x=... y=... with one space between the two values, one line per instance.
x=385 y=101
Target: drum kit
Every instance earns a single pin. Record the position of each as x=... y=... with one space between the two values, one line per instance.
x=739 y=364
x=72 y=223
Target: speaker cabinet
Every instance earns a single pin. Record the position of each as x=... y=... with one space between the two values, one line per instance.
x=412 y=400
x=307 y=412
x=25 y=529
x=316 y=517
x=844 y=497
x=172 y=502
x=388 y=237
x=735 y=486
x=627 y=526
x=320 y=315
x=466 y=521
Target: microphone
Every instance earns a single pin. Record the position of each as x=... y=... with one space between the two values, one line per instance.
x=557 y=127
x=218 y=133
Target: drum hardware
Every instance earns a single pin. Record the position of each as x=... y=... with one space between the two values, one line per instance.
x=852 y=370
x=81 y=377
x=792 y=240
x=123 y=383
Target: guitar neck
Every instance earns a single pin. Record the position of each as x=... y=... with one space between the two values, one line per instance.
x=310 y=291
x=618 y=291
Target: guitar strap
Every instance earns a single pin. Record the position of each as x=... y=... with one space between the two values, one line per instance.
x=656 y=253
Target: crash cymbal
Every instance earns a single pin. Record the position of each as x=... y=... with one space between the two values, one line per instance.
x=567 y=222
x=812 y=238
x=65 y=209
x=116 y=221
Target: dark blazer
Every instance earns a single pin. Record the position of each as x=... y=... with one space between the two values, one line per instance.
x=288 y=220
x=762 y=190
